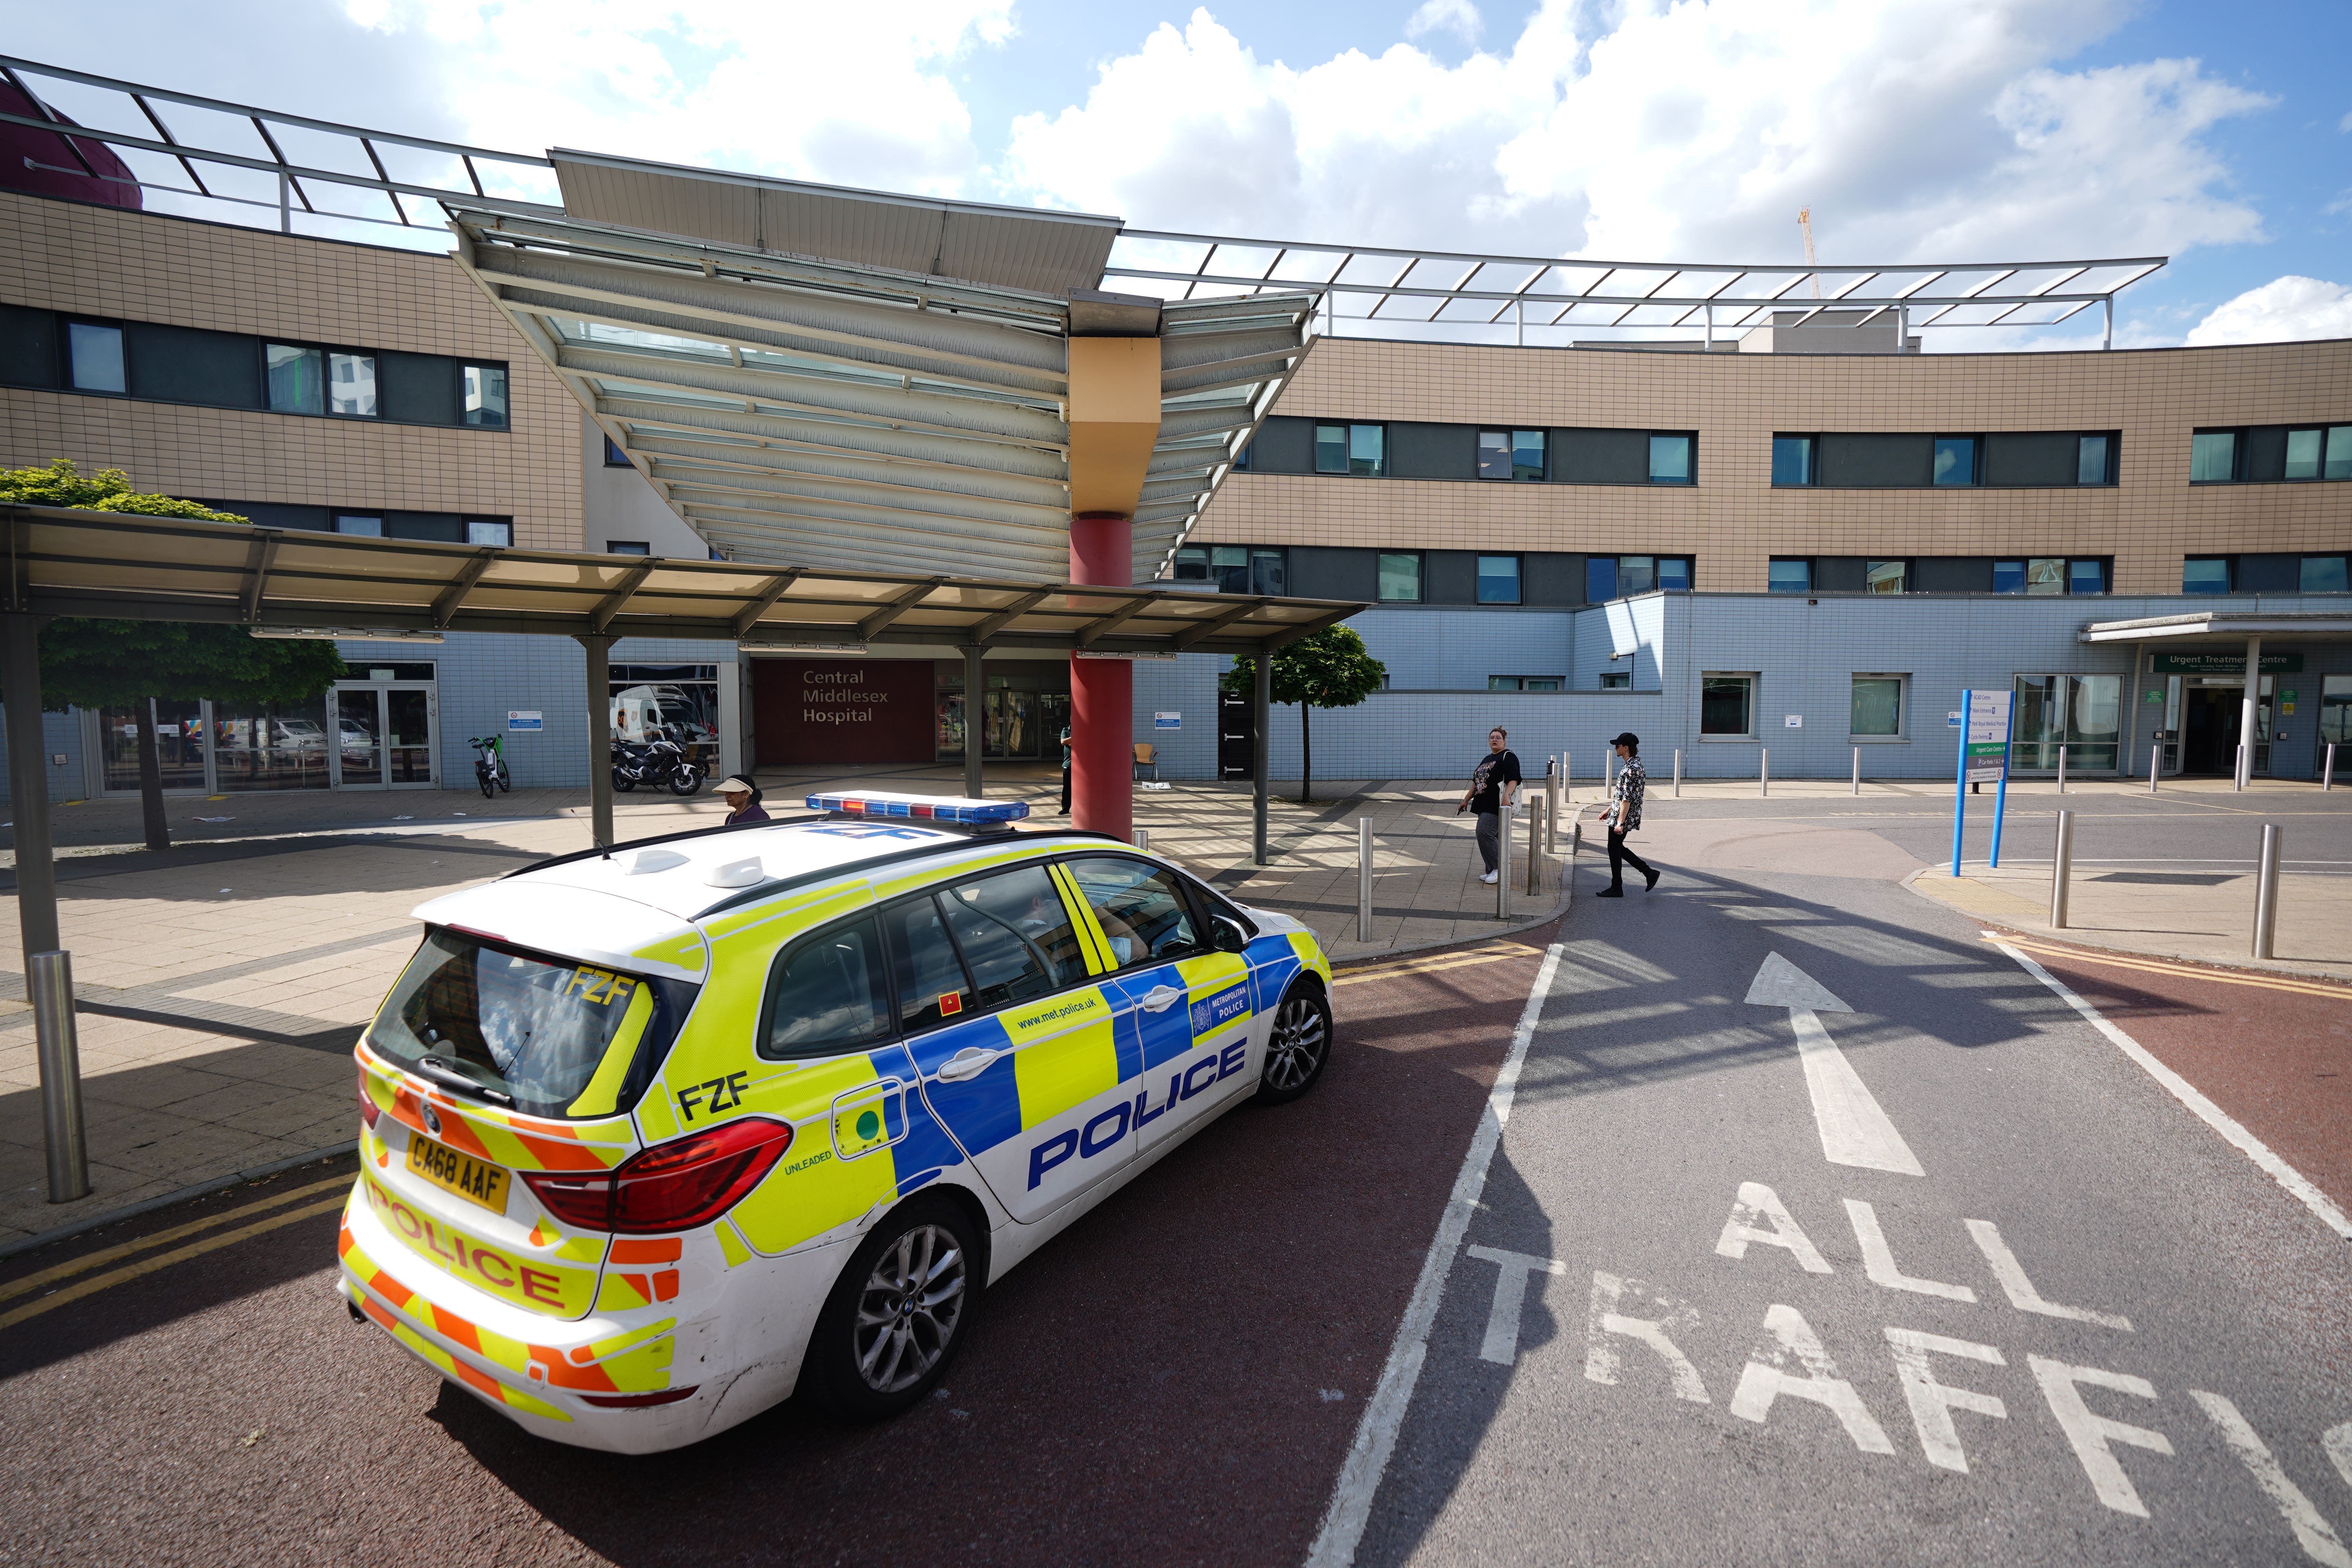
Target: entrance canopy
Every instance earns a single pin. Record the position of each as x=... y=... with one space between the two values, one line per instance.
x=2223 y=626
x=115 y=564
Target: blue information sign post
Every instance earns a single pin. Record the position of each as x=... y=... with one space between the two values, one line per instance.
x=1985 y=721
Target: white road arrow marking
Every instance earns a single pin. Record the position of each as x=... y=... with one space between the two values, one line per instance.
x=1855 y=1129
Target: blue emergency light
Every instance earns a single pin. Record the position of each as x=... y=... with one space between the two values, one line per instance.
x=923 y=808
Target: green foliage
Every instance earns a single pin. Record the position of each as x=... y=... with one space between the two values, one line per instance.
x=115 y=664
x=1328 y=669
x=62 y=484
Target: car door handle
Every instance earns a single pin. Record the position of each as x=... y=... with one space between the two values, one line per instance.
x=969 y=1062
x=1157 y=999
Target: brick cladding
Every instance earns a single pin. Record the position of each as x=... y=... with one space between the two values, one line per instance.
x=1733 y=520
x=106 y=262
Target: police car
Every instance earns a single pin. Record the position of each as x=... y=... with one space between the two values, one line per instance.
x=653 y=1136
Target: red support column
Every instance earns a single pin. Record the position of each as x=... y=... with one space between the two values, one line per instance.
x=1102 y=690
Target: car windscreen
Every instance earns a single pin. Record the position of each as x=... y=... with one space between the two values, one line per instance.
x=556 y=1037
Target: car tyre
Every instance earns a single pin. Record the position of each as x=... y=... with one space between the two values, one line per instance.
x=1299 y=1048
x=897 y=1314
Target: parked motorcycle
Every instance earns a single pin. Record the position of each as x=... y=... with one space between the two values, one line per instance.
x=655 y=762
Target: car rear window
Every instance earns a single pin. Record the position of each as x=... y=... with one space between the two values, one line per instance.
x=555 y=1037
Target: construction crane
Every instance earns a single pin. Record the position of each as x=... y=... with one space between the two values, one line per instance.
x=1805 y=222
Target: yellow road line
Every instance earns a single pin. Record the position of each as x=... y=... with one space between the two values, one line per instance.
x=1495 y=954
x=2227 y=977
x=109 y=1254
x=164 y=1261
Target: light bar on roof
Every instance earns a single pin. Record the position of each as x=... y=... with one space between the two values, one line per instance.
x=926 y=807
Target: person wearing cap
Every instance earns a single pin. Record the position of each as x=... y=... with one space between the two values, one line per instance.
x=742 y=798
x=1066 y=770
x=1623 y=814
x=1493 y=784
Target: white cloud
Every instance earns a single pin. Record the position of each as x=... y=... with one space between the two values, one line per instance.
x=1459 y=16
x=2284 y=309
x=855 y=95
x=1937 y=129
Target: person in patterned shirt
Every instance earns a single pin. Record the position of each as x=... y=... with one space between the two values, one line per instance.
x=1625 y=814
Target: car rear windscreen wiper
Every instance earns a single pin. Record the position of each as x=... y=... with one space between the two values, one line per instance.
x=442 y=1073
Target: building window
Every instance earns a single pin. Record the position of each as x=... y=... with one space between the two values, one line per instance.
x=482 y=531
x=2323 y=574
x=1234 y=568
x=2046 y=574
x=2086 y=576
x=1498 y=579
x=1229 y=568
x=627 y=547
x=1510 y=453
x=1674 y=573
x=1886 y=576
x=1792 y=460
x=2205 y=574
x=1637 y=574
x=1670 y=459
x=1616 y=680
x=1524 y=683
x=351 y=385
x=96 y=357
x=2009 y=576
x=1600 y=578
x=2302 y=449
x=1956 y=459
x=1877 y=706
x=2340 y=453
x=1399 y=579
x=486 y=396
x=2091 y=461
x=1268 y=572
x=297 y=379
x=2212 y=456
x=1725 y=705
x=1350 y=449
x=614 y=457
x=1791 y=577
x=1241 y=459
x=365 y=527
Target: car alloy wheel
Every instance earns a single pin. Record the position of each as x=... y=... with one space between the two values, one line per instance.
x=1295 y=1052
x=908 y=1312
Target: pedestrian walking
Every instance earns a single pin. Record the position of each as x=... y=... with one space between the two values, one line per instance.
x=1623 y=814
x=1066 y=770
x=742 y=798
x=1494 y=784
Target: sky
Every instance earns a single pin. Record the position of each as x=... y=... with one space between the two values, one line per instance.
x=1633 y=129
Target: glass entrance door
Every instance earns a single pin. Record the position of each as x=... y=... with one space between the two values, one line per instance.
x=385 y=736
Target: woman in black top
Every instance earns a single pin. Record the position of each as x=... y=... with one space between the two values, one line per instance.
x=1494 y=784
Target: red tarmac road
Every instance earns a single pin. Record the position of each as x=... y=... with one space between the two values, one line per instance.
x=1174 y=1379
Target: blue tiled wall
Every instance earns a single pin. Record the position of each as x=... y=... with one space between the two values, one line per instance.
x=60 y=733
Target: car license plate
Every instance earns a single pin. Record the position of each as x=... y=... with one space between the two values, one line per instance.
x=473 y=1180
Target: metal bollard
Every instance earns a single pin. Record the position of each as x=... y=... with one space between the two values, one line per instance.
x=1503 y=862
x=1678 y=772
x=1566 y=780
x=2062 y=770
x=1857 y=770
x=2328 y=774
x=1568 y=867
x=2155 y=765
x=1143 y=839
x=2267 y=891
x=1535 y=844
x=49 y=981
x=2062 y=870
x=1552 y=809
x=1363 y=878
x=2238 y=770
x=1764 y=770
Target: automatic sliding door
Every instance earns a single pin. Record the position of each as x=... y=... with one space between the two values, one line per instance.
x=408 y=732
x=359 y=738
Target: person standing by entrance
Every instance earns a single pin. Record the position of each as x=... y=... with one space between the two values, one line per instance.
x=1625 y=814
x=1494 y=784
x=1066 y=770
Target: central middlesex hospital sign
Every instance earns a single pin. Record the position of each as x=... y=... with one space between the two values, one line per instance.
x=870 y=710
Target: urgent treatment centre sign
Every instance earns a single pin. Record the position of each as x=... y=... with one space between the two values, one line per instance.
x=842 y=710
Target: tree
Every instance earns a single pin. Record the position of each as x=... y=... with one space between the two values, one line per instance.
x=121 y=664
x=1328 y=669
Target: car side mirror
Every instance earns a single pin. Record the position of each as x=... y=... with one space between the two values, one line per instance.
x=1227 y=936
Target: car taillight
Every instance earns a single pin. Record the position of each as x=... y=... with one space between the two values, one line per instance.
x=369 y=1109
x=676 y=1185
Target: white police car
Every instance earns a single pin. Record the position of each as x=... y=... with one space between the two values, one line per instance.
x=654 y=1136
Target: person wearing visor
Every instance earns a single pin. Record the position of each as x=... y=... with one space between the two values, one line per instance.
x=1623 y=814
x=742 y=798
